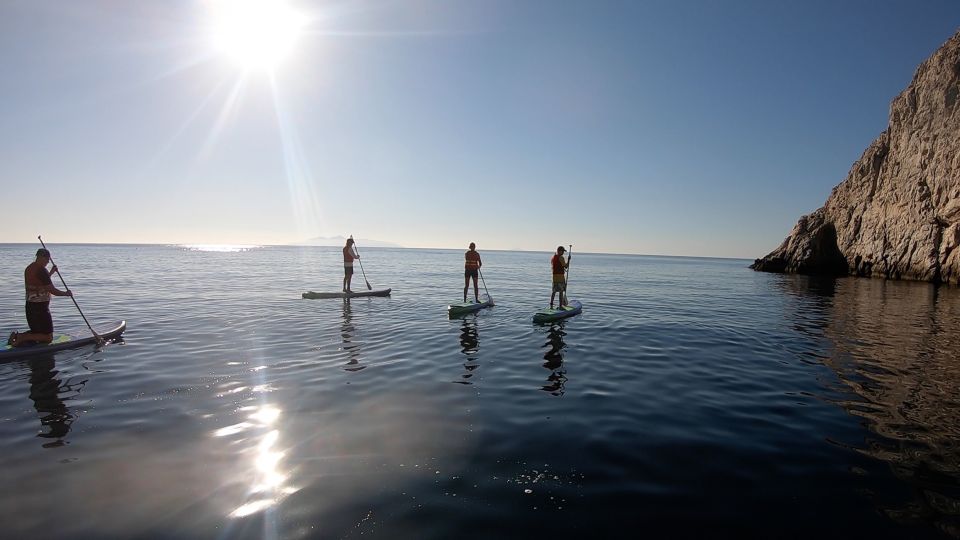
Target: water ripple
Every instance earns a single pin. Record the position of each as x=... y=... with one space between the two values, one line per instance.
x=690 y=396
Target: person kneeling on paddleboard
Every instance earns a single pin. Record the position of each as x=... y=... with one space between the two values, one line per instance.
x=39 y=288
x=559 y=276
x=349 y=254
x=471 y=269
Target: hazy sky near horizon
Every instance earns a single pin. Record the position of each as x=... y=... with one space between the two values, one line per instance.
x=657 y=127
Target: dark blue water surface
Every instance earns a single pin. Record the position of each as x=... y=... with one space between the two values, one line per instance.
x=691 y=398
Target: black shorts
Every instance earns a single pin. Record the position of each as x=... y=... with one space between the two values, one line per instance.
x=347 y=270
x=38 y=317
x=471 y=272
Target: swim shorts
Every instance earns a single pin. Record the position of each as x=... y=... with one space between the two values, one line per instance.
x=38 y=317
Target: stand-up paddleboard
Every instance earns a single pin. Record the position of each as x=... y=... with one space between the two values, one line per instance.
x=551 y=314
x=462 y=308
x=310 y=295
x=68 y=340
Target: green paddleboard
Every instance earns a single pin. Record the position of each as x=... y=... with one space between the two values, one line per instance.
x=555 y=314
x=462 y=308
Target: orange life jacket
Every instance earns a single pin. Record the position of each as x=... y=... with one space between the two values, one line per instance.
x=559 y=268
x=472 y=260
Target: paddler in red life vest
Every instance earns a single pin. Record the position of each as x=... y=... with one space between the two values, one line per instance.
x=349 y=254
x=471 y=269
x=39 y=288
x=559 y=276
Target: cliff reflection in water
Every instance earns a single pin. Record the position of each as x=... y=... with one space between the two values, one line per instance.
x=896 y=346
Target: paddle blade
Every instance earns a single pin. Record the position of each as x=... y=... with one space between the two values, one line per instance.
x=369 y=288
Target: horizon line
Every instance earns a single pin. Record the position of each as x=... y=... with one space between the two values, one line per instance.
x=188 y=244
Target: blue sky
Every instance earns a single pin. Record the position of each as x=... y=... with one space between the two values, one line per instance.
x=657 y=127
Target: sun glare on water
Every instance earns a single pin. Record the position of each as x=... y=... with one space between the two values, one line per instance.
x=221 y=248
x=255 y=34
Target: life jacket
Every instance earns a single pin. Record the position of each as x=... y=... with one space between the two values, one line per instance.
x=559 y=268
x=36 y=279
x=472 y=260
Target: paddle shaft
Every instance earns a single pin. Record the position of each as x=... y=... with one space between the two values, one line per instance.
x=566 y=284
x=65 y=286
x=369 y=288
x=484 y=284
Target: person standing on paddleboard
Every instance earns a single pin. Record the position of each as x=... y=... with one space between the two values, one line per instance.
x=39 y=288
x=559 y=276
x=349 y=254
x=471 y=269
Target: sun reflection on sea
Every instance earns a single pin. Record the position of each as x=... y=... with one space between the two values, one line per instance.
x=267 y=477
x=223 y=248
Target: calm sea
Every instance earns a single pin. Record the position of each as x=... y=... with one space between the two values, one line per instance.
x=691 y=398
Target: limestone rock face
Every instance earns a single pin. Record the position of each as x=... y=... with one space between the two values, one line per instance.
x=897 y=214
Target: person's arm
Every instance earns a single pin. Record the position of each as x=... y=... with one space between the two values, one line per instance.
x=479 y=262
x=57 y=292
x=53 y=270
x=44 y=278
x=355 y=254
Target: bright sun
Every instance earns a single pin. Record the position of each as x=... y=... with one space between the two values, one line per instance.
x=256 y=34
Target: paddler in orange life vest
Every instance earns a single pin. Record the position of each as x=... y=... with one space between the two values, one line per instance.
x=471 y=269
x=39 y=288
x=349 y=254
x=559 y=276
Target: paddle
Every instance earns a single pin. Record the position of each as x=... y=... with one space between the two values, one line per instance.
x=369 y=288
x=566 y=286
x=490 y=298
x=74 y=298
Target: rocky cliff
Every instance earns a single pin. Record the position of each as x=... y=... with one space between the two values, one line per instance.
x=897 y=214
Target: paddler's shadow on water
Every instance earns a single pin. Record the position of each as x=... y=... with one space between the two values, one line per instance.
x=470 y=347
x=347 y=333
x=46 y=389
x=553 y=360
